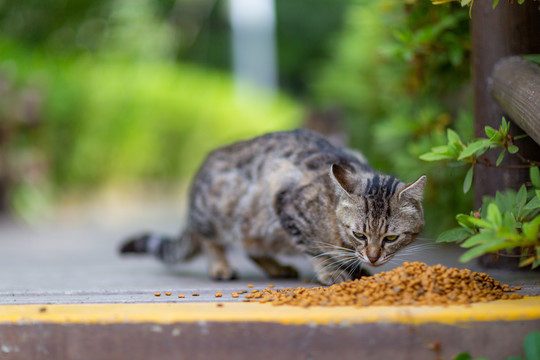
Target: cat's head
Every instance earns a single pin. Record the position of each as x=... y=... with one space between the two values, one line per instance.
x=377 y=214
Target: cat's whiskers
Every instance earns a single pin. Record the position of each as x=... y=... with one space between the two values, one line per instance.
x=331 y=261
x=350 y=260
x=352 y=271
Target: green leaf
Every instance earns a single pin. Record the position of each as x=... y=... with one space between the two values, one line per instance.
x=452 y=136
x=454 y=235
x=521 y=2
x=478 y=239
x=512 y=149
x=480 y=223
x=521 y=200
x=492 y=246
x=505 y=126
x=465 y=2
x=434 y=157
x=464 y=221
x=533 y=204
x=490 y=132
x=480 y=145
x=531 y=345
x=467 y=182
x=463 y=356
x=494 y=214
x=443 y=149
x=500 y=158
x=531 y=228
x=526 y=262
x=495 y=2
x=535 y=58
x=534 y=174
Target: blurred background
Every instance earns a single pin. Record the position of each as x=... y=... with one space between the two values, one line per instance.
x=112 y=104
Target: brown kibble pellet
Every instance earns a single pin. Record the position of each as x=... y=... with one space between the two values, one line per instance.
x=181 y=296
x=168 y=293
x=271 y=286
x=411 y=284
x=234 y=295
x=250 y=286
x=195 y=294
x=218 y=294
x=157 y=294
x=219 y=305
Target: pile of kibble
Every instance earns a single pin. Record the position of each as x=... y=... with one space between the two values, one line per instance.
x=411 y=284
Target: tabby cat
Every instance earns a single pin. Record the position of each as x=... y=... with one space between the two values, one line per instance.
x=288 y=193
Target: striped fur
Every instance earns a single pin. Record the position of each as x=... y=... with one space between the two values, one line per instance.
x=293 y=192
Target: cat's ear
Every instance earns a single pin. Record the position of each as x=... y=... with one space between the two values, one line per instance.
x=414 y=190
x=343 y=178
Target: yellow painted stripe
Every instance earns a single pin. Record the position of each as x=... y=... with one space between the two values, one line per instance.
x=167 y=313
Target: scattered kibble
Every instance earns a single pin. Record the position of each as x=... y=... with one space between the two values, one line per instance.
x=234 y=295
x=411 y=284
x=242 y=292
x=271 y=286
x=219 y=305
x=195 y=294
x=157 y=294
x=181 y=296
x=251 y=286
x=218 y=294
x=168 y=293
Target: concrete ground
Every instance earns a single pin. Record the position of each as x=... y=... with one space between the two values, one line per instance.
x=74 y=261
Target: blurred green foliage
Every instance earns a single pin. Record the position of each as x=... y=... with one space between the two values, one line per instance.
x=115 y=106
x=138 y=89
x=400 y=74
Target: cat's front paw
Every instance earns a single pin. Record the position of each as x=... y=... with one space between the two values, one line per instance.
x=333 y=277
x=222 y=272
x=360 y=273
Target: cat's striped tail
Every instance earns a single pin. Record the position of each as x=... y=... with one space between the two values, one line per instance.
x=166 y=249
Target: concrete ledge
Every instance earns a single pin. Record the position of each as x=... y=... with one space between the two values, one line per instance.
x=261 y=340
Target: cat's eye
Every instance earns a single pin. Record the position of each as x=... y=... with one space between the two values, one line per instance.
x=359 y=236
x=390 y=238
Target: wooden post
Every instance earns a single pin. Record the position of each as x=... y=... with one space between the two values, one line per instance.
x=509 y=29
x=515 y=84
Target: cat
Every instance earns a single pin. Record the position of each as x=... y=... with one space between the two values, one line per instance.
x=287 y=193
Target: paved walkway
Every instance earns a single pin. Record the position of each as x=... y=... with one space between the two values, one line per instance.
x=67 y=275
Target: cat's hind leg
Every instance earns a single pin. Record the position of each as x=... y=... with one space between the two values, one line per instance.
x=219 y=268
x=273 y=268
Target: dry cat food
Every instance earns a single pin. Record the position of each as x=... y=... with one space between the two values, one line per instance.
x=411 y=284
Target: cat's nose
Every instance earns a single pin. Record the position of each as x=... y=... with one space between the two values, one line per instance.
x=373 y=259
